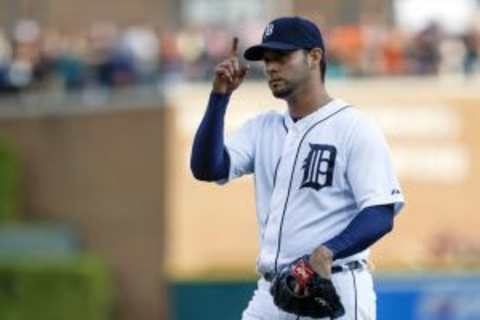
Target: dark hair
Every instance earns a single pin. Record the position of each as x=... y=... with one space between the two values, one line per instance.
x=323 y=68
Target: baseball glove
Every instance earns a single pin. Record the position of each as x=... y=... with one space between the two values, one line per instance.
x=298 y=289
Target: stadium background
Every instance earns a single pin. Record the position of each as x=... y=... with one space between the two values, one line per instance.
x=98 y=106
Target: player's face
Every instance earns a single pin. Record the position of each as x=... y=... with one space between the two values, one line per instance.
x=286 y=71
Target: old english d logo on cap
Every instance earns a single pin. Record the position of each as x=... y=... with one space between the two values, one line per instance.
x=268 y=30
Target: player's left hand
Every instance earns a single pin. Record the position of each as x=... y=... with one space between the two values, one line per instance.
x=299 y=290
x=321 y=260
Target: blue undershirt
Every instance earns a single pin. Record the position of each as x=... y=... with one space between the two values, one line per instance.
x=210 y=162
x=365 y=229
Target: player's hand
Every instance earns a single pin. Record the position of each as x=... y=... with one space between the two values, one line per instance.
x=229 y=74
x=321 y=260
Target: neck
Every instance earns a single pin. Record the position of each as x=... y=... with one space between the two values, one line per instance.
x=307 y=100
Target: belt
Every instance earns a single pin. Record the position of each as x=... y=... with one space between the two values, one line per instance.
x=352 y=265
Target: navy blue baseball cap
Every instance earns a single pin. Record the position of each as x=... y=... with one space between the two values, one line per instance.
x=287 y=34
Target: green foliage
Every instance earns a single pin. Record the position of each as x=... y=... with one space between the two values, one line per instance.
x=9 y=183
x=54 y=289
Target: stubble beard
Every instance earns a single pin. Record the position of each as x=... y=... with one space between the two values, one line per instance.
x=289 y=89
x=282 y=93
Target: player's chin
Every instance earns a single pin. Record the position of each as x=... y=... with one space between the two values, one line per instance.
x=281 y=93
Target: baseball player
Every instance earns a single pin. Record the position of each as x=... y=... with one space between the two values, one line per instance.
x=324 y=183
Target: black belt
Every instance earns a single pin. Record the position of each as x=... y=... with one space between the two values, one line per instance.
x=352 y=265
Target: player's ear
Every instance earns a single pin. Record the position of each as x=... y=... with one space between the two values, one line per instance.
x=315 y=57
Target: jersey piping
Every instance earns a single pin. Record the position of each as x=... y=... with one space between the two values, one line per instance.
x=276 y=171
x=291 y=181
x=355 y=294
x=284 y=125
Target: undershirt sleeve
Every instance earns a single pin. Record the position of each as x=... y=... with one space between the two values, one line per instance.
x=365 y=229
x=210 y=160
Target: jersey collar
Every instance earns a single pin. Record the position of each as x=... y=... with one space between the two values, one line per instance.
x=303 y=124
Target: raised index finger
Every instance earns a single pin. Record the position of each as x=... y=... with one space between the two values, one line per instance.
x=233 y=51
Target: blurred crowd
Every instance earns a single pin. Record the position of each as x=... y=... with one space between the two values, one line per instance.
x=374 y=50
x=107 y=56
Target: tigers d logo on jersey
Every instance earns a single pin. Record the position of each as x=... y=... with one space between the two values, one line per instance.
x=318 y=166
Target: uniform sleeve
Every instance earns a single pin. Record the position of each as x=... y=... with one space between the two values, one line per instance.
x=240 y=147
x=370 y=171
x=209 y=160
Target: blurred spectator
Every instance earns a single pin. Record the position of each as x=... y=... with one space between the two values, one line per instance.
x=193 y=50
x=171 y=63
x=347 y=43
x=374 y=34
x=471 y=41
x=143 y=44
x=25 y=64
x=5 y=60
x=112 y=63
x=452 y=53
x=393 y=53
x=426 y=51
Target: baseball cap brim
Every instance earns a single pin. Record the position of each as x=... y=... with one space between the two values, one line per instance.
x=255 y=53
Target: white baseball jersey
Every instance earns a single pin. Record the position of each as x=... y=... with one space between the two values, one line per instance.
x=312 y=177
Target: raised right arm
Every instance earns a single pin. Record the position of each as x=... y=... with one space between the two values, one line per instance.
x=210 y=160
